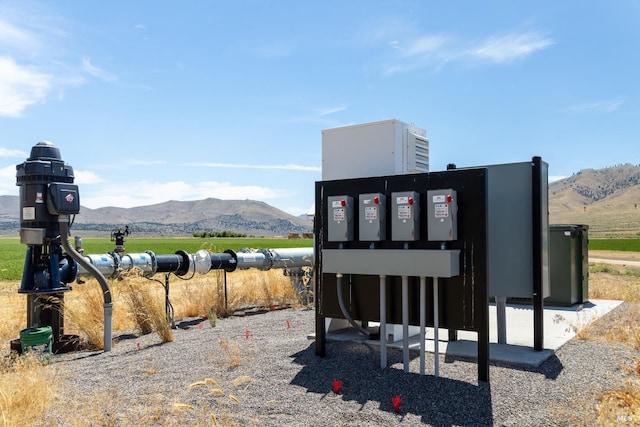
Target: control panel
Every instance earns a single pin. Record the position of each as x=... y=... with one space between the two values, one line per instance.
x=405 y=216
x=442 y=212
x=340 y=218
x=372 y=217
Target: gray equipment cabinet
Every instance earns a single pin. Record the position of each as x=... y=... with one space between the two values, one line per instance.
x=569 y=264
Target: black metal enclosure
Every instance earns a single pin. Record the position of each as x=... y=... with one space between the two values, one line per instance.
x=463 y=302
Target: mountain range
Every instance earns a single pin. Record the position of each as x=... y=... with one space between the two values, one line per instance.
x=605 y=199
x=249 y=217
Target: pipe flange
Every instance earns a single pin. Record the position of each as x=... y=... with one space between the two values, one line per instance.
x=268 y=259
x=154 y=263
x=234 y=255
x=116 y=264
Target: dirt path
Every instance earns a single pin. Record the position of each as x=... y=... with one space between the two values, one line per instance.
x=631 y=259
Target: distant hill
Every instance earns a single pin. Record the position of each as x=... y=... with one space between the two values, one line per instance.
x=605 y=199
x=250 y=217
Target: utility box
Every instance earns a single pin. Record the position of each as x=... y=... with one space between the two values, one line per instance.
x=442 y=215
x=569 y=264
x=372 y=217
x=405 y=216
x=511 y=216
x=389 y=147
x=340 y=217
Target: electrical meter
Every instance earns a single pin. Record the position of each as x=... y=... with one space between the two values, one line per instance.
x=405 y=216
x=442 y=215
x=340 y=218
x=371 y=214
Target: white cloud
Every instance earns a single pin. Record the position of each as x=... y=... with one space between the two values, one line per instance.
x=149 y=193
x=136 y=162
x=10 y=152
x=434 y=51
x=330 y=110
x=86 y=177
x=20 y=87
x=606 y=106
x=290 y=167
x=423 y=46
x=553 y=178
x=8 y=181
x=12 y=37
x=318 y=115
x=512 y=46
x=420 y=52
x=98 y=72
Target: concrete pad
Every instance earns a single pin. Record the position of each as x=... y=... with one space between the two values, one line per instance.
x=560 y=325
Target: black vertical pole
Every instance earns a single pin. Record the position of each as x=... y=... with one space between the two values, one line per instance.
x=537 y=220
x=453 y=333
x=481 y=293
x=318 y=221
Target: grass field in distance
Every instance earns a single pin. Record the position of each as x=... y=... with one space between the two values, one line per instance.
x=12 y=252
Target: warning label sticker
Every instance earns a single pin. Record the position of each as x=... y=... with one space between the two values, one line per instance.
x=370 y=212
x=29 y=213
x=338 y=214
x=439 y=198
x=404 y=211
x=441 y=210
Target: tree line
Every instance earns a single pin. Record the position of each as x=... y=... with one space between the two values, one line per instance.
x=225 y=233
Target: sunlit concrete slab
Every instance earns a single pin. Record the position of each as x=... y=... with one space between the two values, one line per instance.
x=561 y=324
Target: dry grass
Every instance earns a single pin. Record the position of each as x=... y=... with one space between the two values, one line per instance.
x=138 y=303
x=138 y=300
x=616 y=282
x=232 y=350
x=146 y=308
x=621 y=405
x=26 y=390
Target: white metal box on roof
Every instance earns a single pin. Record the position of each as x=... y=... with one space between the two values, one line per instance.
x=388 y=147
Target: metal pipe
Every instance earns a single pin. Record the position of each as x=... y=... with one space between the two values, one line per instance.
x=436 y=326
x=501 y=319
x=405 y=322
x=252 y=260
x=201 y=262
x=266 y=259
x=106 y=291
x=423 y=321
x=383 y=321
x=291 y=257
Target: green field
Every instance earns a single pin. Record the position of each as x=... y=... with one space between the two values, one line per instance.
x=626 y=245
x=12 y=252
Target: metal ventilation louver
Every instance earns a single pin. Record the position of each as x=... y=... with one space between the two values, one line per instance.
x=417 y=159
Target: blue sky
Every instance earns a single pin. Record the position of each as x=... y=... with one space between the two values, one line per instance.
x=152 y=101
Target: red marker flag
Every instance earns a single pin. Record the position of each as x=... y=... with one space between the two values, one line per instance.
x=396 y=403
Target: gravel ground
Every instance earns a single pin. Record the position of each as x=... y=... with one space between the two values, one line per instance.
x=262 y=370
